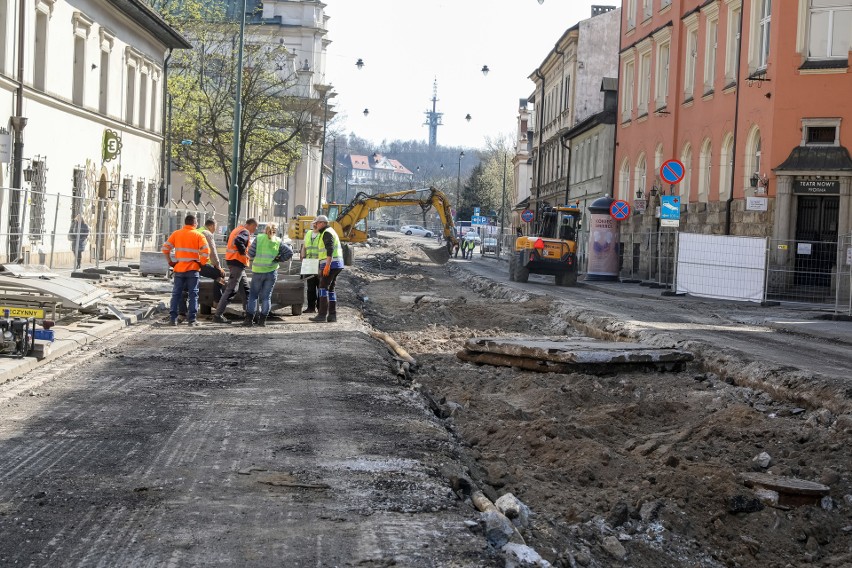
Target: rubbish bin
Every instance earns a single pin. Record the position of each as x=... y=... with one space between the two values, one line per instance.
x=603 y=242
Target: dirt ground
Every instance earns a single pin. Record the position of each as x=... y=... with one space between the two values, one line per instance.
x=637 y=469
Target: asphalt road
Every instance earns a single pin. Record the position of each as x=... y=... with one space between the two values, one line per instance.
x=228 y=447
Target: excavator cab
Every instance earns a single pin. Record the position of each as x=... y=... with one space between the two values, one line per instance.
x=552 y=249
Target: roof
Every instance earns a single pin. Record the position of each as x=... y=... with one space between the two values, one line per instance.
x=609 y=84
x=359 y=162
x=523 y=204
x=399 y=168
x=151 y=21
x=817 y=158
x=603 y=117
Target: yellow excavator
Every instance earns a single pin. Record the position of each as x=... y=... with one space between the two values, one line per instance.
x=349 y=221
x=551 y=250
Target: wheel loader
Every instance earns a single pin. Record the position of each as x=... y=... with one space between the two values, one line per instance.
x=551 y=250
x=349 y=221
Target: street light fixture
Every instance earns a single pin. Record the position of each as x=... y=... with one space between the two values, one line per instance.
x=485 y=70
x=366 y=111
x=359 y=64
x=468 y=117
x=458 y=186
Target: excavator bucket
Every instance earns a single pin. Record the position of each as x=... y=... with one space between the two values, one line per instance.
x=440 y=255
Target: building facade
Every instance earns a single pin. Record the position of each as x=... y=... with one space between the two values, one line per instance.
x=375 y=174
x=522 y=162
x=571 y=145
x=84 y=98
x=750 y=95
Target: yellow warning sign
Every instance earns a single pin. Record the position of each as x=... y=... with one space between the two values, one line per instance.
x=11 y=312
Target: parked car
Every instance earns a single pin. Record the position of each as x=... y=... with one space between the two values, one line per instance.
x=489 y=245
x=415 y=230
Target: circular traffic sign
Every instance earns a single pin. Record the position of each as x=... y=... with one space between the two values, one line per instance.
x=672 y=171
x=527 y=215
x=619 y=210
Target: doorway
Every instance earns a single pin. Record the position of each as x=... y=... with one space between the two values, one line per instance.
x=816 y=239
x=102 y=220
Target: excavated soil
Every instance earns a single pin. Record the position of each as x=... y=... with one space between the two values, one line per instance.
x=636 y=469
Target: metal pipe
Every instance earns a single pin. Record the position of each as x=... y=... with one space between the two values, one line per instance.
x=730 y=199
x=19 y=122
x=166 y=128
x=53 y=235
x=540 y=127
x=234 y=195
x=502 y=208
x=322 y=152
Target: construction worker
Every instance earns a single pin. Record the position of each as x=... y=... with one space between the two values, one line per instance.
x=265 y=252
x=330 y=253
x=236 y=257
x=191 y=253
x=310 y=250
x=210 y=270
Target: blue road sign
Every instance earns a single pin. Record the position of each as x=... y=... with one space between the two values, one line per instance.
x=478 y=220
x=619 y=210
x=476 y=211
x=670 y=208
x=527 y=215
x=672 y=171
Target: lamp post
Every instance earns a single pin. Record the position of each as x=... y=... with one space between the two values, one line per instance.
x=324 y=92
x=458 y=186
x=502 y=209
x=234 y=194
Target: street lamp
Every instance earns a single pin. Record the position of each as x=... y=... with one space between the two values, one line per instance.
x=468 y=117
x=366 y=111
x=359 y=64
x=324 y=91
x=233 y=196
x=485 y=70
x=458 y=186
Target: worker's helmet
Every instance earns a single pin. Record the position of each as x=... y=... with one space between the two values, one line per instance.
x=321 y=219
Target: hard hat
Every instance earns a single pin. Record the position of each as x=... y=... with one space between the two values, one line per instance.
x=321 y=219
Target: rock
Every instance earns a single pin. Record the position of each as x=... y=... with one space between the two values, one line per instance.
x=513 y=508
x=614 y=547
x=649 y=511
x=619 y=515
x=848 y=500
x=584 y=556
x=522 y=556
x=743 y=504
x=647 y=447
x=812 y=545
x=762 y=460
x=827 y=503
x=829 y=477
x=843 y=423
x=498 y=529
x=768 y=496
x=824 y=416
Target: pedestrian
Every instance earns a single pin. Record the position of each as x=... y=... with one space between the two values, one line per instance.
x=191 y=253
x=78 y=235
x=310 y=264
x=330 y=253
x=236 y=257
x=519 y=232
x=266 y=252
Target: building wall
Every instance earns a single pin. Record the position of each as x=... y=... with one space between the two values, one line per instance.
x=593 y=50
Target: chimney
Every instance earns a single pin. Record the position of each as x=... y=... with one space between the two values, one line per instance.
x=598 y=10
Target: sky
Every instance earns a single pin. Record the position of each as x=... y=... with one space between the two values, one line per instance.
x=407 y=44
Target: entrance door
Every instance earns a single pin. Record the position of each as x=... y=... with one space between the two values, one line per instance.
x=816 y=239
x=102 y=219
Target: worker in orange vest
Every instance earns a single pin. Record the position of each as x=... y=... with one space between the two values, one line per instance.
x=236 y=257
x=190 y=252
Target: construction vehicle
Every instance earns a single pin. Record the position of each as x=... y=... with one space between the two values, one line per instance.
x=349 y=221
x=552 y=249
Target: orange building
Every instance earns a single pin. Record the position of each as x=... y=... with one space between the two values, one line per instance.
x=753 y=97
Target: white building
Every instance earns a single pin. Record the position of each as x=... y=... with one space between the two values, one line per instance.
x=90 y=69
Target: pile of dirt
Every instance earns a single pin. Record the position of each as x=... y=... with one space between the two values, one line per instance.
x=637 y=467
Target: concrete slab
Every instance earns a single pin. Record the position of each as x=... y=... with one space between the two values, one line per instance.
x=576 y=351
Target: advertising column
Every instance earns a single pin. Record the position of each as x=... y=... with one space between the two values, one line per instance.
x=603 y=242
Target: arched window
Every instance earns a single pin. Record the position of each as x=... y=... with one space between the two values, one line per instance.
x=752 y=165
x=686 y=158
x=658 y=163
x=639 y=175
x=705 y=167
x=624 y=180
x=725 y=158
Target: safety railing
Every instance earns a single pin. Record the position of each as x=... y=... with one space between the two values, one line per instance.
x=807 y=272
x=843 y=291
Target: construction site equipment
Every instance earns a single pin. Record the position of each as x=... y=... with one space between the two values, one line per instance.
x=30 y=287
x=349 y=221
x=552 y=249
x=16 y=336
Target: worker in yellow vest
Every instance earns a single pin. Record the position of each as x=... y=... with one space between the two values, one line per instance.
x=266 y=252
x=310 y=251
x=330 y=255
x=236 y=257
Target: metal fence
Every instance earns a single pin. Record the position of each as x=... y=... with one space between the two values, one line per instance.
x=53 y=229
x=807 y=272
x=843 y=290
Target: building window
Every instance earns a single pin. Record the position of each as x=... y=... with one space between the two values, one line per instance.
x=624 y=180
x=79 y=81
x=40 y=50
x=829 y=29
x=640 y=174
x=143 y=97
x=646 y=9
x=661 y=89
x=644 y=82
x=627 y=92
x=130 y=90
x=106 y=42
x=126 y=206
x=763 y=32
x=4 y=23
x=664 y=3
x=820 y=132
x=725 y=159
x=753 y=153
x=631 y=14
x=710 y=54
x=691 y=55
x=732 y=51
x=705 y=165
x=155 y=92
x=685 y=184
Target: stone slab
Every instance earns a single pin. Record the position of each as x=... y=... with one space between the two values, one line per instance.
x=788 y=485
x=576 y=351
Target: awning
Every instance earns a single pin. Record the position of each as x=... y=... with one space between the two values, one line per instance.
x=817 y=159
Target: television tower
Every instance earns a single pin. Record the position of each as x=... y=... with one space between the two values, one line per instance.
x=433 y=118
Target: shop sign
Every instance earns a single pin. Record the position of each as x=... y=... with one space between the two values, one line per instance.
x=757 y=204
x=816 y=186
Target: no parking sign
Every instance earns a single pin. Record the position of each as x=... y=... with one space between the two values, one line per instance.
x=619 y=210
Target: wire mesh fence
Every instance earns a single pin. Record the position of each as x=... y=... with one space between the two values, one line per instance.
x=807 y=272
x=843 y=290
x=68 y=231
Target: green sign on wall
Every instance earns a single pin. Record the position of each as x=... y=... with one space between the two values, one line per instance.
x=111 y=147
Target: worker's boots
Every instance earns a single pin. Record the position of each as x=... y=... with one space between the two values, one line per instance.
x=261 y=320
x=322 y=314
x=249 y=321
x=332 y=307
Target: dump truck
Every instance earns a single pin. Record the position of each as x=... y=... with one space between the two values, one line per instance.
x=551 y=249
x=350 y=220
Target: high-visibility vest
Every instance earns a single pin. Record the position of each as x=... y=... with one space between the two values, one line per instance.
x=312 y=243
x=231 y=253
x=189 y=248
x=337 y=253
x=266 y=250
x=201 y=231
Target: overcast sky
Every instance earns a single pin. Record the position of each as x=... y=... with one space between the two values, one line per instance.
x=407 y=44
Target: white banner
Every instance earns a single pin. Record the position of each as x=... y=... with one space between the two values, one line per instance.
x=5 y=148
x=714 y=266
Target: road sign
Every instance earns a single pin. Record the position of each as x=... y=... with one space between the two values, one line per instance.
x=280 y=196
x=476 y=211
x=527 y=216
x=619 y=210
x=639 y=205
x=672 y=171
x=670 y=209
x=111 y=145
x=478 y=220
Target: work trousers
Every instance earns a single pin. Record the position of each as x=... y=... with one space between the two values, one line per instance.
x=185 y=281
x=236 y=277
x=262 y=285
x=327 y=298
x=312 y=283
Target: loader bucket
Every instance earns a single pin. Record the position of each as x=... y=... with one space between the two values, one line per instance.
x=440 y=255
